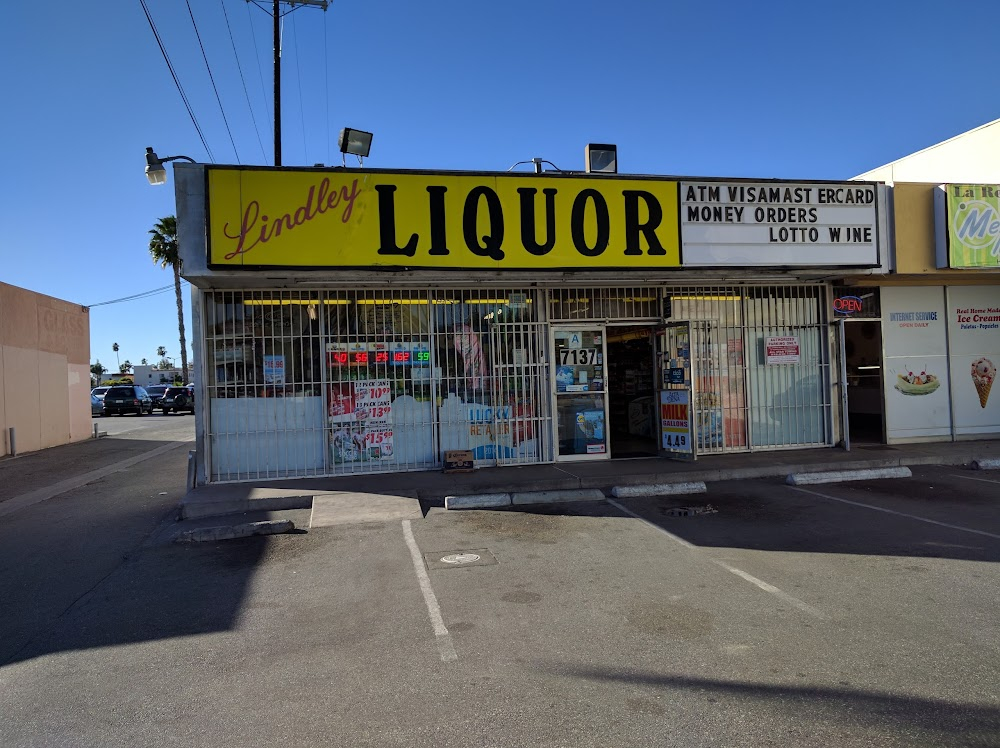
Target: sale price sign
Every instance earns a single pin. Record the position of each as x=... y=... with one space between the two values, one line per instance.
x=675 y=420
x=373 y=401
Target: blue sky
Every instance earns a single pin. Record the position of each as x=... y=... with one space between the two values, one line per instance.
x=782 y=89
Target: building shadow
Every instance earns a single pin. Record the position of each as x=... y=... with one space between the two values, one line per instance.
x=794 y=522
x=935 y=721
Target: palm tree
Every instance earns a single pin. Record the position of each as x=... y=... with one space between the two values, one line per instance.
x=114 y=347
x=124 y=368
x=98 y=371
x=163 y=249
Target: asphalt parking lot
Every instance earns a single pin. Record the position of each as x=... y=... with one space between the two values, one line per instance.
x=860 y=613
x=851 y=614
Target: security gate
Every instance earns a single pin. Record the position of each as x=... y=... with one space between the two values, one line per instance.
x=336 y=381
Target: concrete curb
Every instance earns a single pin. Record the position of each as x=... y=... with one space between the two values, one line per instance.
x=228 y=532
x=200 y=509
x=987 y=464
x=658 y=489
x=477 y=501
x=837 y=476
x=549 y=497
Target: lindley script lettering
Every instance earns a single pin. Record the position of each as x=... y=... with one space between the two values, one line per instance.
x=257 y=228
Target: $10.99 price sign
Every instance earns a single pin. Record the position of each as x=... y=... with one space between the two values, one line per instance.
x=373 y=401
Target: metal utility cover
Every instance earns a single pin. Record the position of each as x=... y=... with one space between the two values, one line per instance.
x=460 y=558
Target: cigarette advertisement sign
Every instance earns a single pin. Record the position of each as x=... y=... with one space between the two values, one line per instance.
x=971 y=233
x=260 y=217
x=783 y=224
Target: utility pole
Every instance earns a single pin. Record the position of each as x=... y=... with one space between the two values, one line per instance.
x=276 y=16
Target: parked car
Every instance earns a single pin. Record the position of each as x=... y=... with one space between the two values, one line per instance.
x=96 y=405
x=155 y=392
x=100 y=392
x=127 y=398
x=176 y=399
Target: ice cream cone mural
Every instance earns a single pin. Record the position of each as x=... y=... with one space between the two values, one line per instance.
x=983 y=374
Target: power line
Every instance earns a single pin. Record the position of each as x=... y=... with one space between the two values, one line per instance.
x=212 y=78
x=298 y=75
x=135 y=297
x=260 y=68
x=177 y=82
x=242 y=79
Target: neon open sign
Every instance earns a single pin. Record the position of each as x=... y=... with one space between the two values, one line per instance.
x=847 y=305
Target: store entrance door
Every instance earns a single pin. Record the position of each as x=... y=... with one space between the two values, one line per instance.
x=631 y=388
x=578 y=388
x=865 y=402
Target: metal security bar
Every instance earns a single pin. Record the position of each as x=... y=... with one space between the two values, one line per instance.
x=788 y=367
x=264 y=385
x=744 y=398
x=381 y=395
x=339 y=382
x=625 y=303
x=493 y=377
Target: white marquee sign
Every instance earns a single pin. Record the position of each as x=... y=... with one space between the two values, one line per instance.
x=792 y=224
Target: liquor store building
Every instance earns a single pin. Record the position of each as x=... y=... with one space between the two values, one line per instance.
x=351 y=321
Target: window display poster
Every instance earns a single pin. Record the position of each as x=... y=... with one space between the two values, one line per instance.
x=675 y=420
x=501 y=432
x=361 y=420
x=974 y=334
x=915 y=365
x=274 y=369
x=590 y=431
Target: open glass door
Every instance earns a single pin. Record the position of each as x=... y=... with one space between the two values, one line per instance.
x=675 y=395
x=578 y=392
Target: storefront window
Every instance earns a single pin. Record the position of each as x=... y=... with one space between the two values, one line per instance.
x=380 y=392
x=489 y=354
x=263 y=380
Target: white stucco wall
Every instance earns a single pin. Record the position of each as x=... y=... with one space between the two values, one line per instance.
x=970 y=158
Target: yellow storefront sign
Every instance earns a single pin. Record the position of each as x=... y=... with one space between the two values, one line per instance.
x=359 y=218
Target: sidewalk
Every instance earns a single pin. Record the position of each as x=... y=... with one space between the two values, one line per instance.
x=391 y=491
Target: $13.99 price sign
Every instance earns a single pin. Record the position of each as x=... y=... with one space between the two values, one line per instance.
x=373 y=401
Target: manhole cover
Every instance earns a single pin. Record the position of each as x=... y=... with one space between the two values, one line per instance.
x=460 y=558
x=690 y=511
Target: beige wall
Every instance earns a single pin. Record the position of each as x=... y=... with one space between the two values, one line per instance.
x=913 y=207
x=44 y=370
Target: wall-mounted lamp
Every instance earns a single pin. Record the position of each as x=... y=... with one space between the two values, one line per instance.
x=601 y=157
x=357 y=142
x=155 y=172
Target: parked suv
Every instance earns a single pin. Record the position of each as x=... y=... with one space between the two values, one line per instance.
x=127 y=398
x=177 y=399
x=155 y=392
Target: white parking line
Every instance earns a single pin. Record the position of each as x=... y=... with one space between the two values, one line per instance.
x=969 y=477
x=445 y=646
x=769 y=588
x=898 y=514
